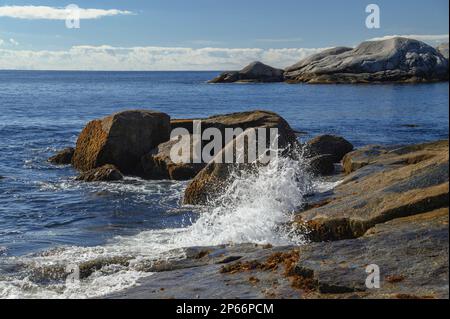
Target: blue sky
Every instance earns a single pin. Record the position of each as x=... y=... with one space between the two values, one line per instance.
x=227 y=25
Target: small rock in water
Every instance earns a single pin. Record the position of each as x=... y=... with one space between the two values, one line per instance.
x=106 y=173
x=63 y=157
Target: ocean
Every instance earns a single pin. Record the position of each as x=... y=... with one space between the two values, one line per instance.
x=47 y=218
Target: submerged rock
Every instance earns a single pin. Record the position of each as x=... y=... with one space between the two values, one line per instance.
x=335 y=146
x=105 y=173
x=254 y=72
x=63 y=157
x=121 y=139
x=401 y=182
x=393 y=60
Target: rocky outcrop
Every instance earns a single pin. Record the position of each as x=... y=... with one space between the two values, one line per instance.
x=443 y=49
x=121 y=139
x=335 y=146
x=398 y=183
x=411 y=254
x=254 y=72
x=393 y=60
x=105 y=173
x=63 y=157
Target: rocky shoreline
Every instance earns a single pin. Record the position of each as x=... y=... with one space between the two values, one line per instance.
x=390 y=210
x=396 y=60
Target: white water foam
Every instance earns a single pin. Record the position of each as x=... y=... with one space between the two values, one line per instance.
x=255 y=208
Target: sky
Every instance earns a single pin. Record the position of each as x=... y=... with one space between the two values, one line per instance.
x=200 y=34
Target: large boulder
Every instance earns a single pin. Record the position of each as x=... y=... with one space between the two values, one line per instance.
x=398 y=183
x=392 y=60
x=211 y=180
x=105 y=173
x=63 y=157
x=121 y=139
x=254 y=72
x=335 y=146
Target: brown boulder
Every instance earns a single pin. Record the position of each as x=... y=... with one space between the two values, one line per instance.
x=63 y=157
x=106 y=173
x=335 y=146
x=121 y=139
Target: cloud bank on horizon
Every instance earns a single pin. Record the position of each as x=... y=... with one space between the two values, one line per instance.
x=111 y=58
x=152 y=58
x=52 y=13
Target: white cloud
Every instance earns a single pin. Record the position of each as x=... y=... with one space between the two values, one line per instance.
x=436 y=38
x=13 y=42
x=53 y=13
x=1 y=42
x=148 y=58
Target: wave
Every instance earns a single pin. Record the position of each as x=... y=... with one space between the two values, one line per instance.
x=255 y=208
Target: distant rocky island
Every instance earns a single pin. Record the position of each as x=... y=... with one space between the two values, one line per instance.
x=396 y=60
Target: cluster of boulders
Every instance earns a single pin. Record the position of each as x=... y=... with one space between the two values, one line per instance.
x=392 y=60
x=137 y=143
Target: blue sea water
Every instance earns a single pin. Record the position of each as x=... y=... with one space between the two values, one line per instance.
x=42 y=207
